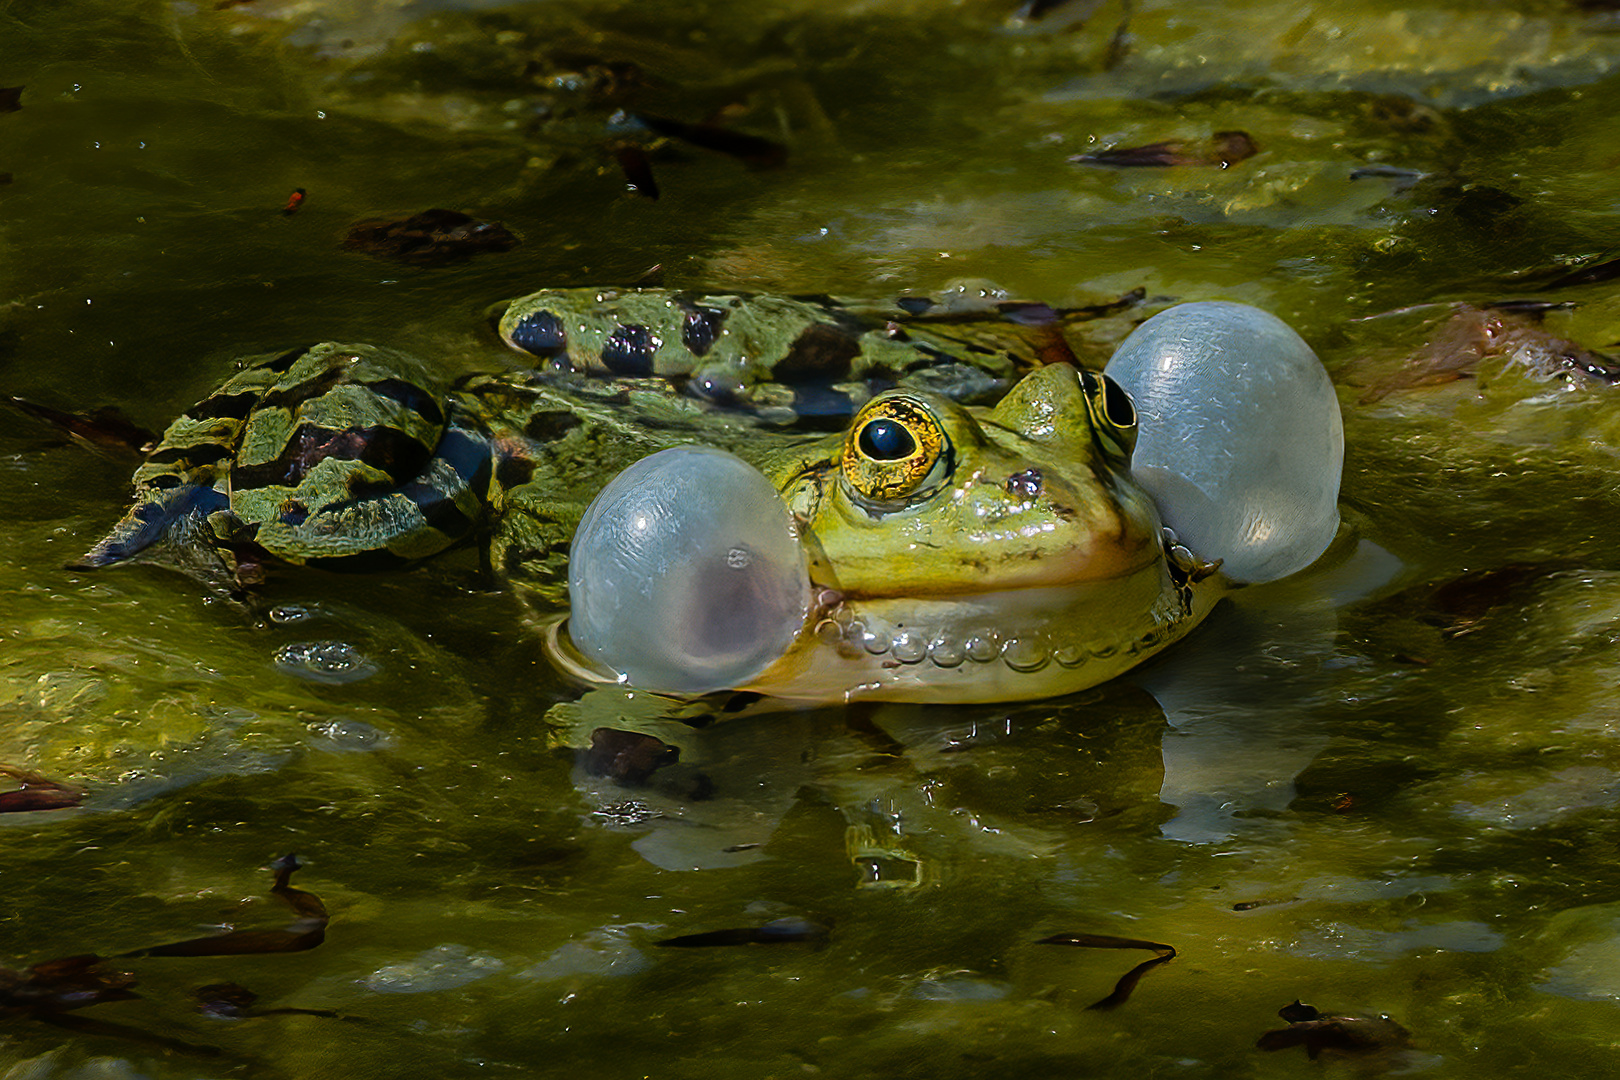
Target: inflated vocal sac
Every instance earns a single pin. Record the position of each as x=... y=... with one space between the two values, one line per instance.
x=1239 y=441
x=686 y=574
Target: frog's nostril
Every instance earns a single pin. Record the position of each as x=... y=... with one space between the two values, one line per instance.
x=1026 y=484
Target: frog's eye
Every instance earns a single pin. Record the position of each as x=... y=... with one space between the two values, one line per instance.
x=1113 y=414
x=896 y=450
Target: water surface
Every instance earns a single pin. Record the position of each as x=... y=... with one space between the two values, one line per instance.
x=1362 y=788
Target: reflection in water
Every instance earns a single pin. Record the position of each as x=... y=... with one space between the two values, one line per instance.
x=1468 y=887
x=1242 y=698
x=1242 y=715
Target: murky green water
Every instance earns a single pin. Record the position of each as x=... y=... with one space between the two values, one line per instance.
x=1348 y=788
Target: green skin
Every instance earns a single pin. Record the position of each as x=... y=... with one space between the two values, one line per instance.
x=1007 y=555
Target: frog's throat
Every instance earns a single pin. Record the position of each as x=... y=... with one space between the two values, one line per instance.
x=1008 y=645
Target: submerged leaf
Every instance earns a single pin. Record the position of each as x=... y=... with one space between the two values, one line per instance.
x=1224 y=148
x=106 y=429
x=751 y=149
x=35 y=792
x=776 y=932
x=432 y=238
x=1349 y=1036
x=232 y=1001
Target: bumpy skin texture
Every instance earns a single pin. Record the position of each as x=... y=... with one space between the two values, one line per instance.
x=806 y=356
x=348 y=457
x=1011 y=558
x=956 y=552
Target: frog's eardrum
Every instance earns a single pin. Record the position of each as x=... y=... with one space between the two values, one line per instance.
x=686 y=574
x=1240 y=443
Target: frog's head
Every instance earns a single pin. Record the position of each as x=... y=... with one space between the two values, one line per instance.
x=940 y=553
x=964 y=554
x=930 y=552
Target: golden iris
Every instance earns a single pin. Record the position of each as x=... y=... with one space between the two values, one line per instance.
x=892 y=448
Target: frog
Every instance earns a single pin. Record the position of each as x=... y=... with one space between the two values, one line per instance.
x=972 y=532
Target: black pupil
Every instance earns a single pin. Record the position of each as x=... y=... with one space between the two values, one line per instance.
x=1117 y=403
x=885 y=440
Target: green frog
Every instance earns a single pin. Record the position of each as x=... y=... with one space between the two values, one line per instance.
x=955 y=551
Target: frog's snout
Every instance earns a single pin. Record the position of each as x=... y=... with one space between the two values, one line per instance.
x=686 y=574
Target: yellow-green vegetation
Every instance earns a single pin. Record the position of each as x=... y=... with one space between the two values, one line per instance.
x=1385 y=786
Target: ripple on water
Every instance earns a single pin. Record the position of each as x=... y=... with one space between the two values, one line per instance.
x=348 y=736
x=1340 y=940
x=443 y=967
x=599 y=953
x=324 y=662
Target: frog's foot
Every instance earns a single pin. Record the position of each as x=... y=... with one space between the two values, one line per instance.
x=163 y=518
x=340 y=456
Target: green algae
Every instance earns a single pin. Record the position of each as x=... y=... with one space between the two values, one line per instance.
x=1336 y=795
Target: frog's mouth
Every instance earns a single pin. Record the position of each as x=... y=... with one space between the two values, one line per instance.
x=991 y=645
x=1001 y=645
x=987 y=645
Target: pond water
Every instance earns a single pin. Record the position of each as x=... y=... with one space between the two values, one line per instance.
x=1389 y=785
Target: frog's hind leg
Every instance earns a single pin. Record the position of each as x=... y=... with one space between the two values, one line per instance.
x=345 y=457
x=185 y=478
x=174 y=515
x=386 y=527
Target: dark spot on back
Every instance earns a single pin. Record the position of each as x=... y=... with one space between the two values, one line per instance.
x=385 y=448
x=1026 y=484
x=411 y=396
x=820 y=353
x=439 y=511
x=191 y=455
x=930 y=356
x=550 y=425
x=701 y=328
x=541 y=333
x=469 y=454
x=292 y=396
x=914 y=305
x=629 y=350
x=513 y=472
